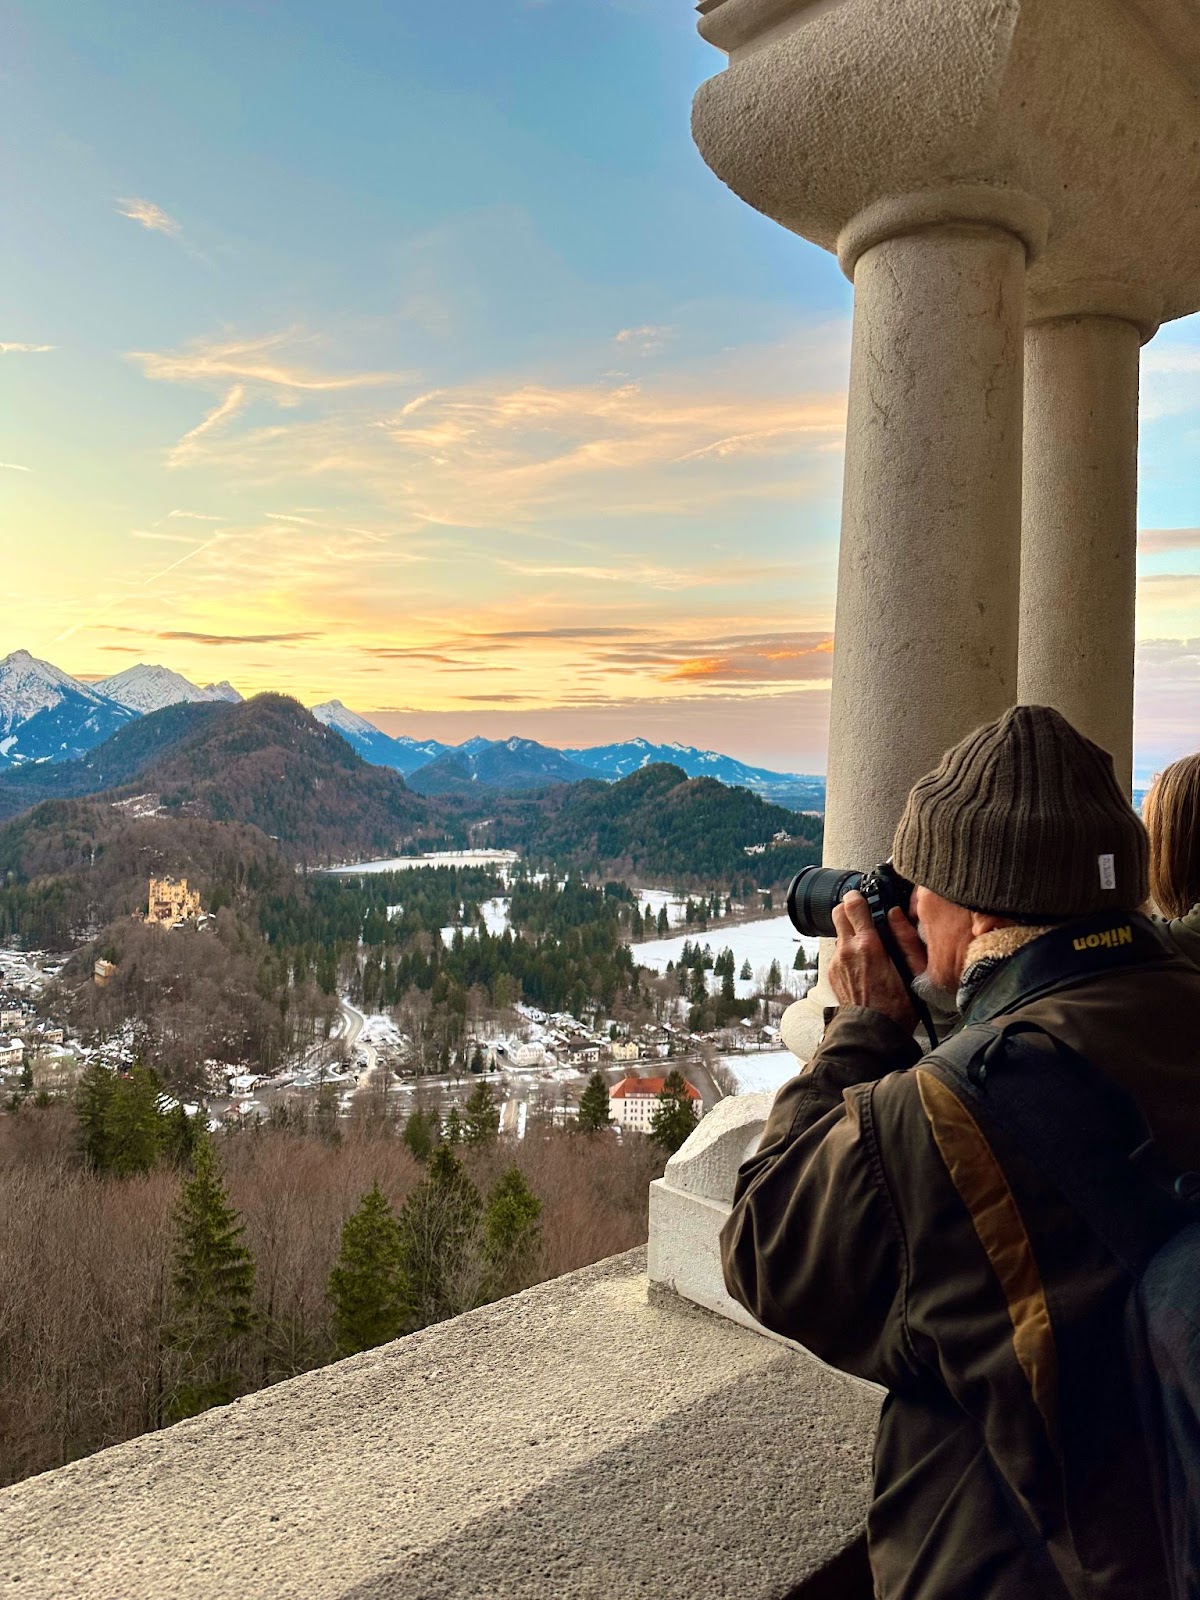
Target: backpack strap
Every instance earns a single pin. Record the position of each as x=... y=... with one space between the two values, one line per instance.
x=1077 y=1127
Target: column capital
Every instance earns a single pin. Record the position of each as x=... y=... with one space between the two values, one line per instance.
x=981 y=205
x=1098 y=297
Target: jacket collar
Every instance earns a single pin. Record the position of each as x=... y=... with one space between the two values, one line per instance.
x=1060 y=957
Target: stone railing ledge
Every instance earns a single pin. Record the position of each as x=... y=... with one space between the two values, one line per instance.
x=690 y=1202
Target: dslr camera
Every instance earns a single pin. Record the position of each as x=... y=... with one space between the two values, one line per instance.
x=814 y=891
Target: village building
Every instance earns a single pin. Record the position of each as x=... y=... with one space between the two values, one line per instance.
x=633 y=1101
x=12 y=1052
x=172 y=902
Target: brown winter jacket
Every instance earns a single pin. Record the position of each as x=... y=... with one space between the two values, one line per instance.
x=878 y=1227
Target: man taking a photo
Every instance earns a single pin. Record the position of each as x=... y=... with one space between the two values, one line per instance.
x=881 y=1225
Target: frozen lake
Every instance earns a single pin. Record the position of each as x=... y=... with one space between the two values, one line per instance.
x=766 y=1070
x=436 y=858
x=769 y=939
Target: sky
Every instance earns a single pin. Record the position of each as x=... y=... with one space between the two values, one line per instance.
x=411 y=356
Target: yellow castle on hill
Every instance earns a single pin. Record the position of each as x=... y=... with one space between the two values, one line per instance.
x=172 y=902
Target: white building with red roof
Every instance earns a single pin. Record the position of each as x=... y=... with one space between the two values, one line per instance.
x=633 y=1101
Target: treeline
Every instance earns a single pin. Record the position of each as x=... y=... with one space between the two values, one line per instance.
x=326 y=1240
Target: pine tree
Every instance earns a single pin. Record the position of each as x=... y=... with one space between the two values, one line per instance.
x=454 y=1128
x=421 y=1132
x=440 y=1256
x=93 y=1097
x=746 y=971
x=800 y=964
x=478 y=1064
x=366 y=1286
x=664 y=924
x=212 y=1289
x=179 y=1135
x=774 y=979
x=482 y=1114
x=594 y=1111
x=133 y=1123
x=674 y=1116
x=510 y=1231
x=698 y=991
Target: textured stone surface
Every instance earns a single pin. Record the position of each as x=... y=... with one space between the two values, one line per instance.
x=585 y=1439
x=1079 y=540
x=925 y=639
x=1089 y=106
x=708 y=1163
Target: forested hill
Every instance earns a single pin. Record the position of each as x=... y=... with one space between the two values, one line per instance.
x=270 y=764
x=659 y=822
x=118 y=760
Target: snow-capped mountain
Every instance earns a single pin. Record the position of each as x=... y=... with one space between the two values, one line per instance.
x=147 y=688
x=402 y=754
x=46 y=715
x=495 y=764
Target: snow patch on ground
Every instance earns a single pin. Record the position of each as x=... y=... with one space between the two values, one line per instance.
x=436 y=858
x=760 y=943
x=763 y=1070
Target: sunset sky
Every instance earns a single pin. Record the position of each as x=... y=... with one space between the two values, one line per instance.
x=410 y=355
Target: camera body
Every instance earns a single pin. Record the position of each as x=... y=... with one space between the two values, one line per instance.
x=814 y=891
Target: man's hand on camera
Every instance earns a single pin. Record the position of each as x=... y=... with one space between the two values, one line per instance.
x=861 y=972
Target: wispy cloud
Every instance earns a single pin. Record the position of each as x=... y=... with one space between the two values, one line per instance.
x=149 y=215
x=15 y=347
x=12 y=466
x=188 y=447
x=269 y=361
x=523 y=451
x=197 y=516
x=1152 y=541
x=645 y=340
x=236 y=638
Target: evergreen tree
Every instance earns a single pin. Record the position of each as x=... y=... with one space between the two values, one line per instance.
x=674 y=1117
x=594 y=1112
x=698 y=991
x=800 y=964
x=93 y=1097
x=421 y=1132
x=366 y=1286
x=440 y=1257
x=212 y=1288
x=478 y=1063
x=664 y=923
x=510 y=1231
x=482 y=1121
x=454 y=1128
x=133 y=1124
x=774 y=979
x=179 y=1135
x=746 y=971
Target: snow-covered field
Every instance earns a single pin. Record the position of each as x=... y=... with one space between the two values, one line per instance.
x=766 y=1069
x=495 y=919
x=436 y=858
x=760 y=943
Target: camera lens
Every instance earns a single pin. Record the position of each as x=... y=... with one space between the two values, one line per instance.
x=812 y=895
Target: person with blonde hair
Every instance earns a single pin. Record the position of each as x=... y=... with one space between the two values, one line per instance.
x=1172 y=815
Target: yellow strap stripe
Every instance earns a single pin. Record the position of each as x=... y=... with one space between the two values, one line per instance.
x=984 y=1190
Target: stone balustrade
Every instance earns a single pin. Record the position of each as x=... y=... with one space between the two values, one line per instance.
x=595 y=1436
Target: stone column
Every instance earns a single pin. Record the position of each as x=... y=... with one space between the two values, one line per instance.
x=925 y=637
x=1080 y=526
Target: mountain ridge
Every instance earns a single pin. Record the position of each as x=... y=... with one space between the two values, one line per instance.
x=49 y=718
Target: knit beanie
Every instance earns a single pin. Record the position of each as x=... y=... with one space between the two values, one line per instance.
x=1024 y=819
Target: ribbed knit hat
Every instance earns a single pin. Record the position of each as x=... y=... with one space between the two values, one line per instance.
x=1024 y=819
